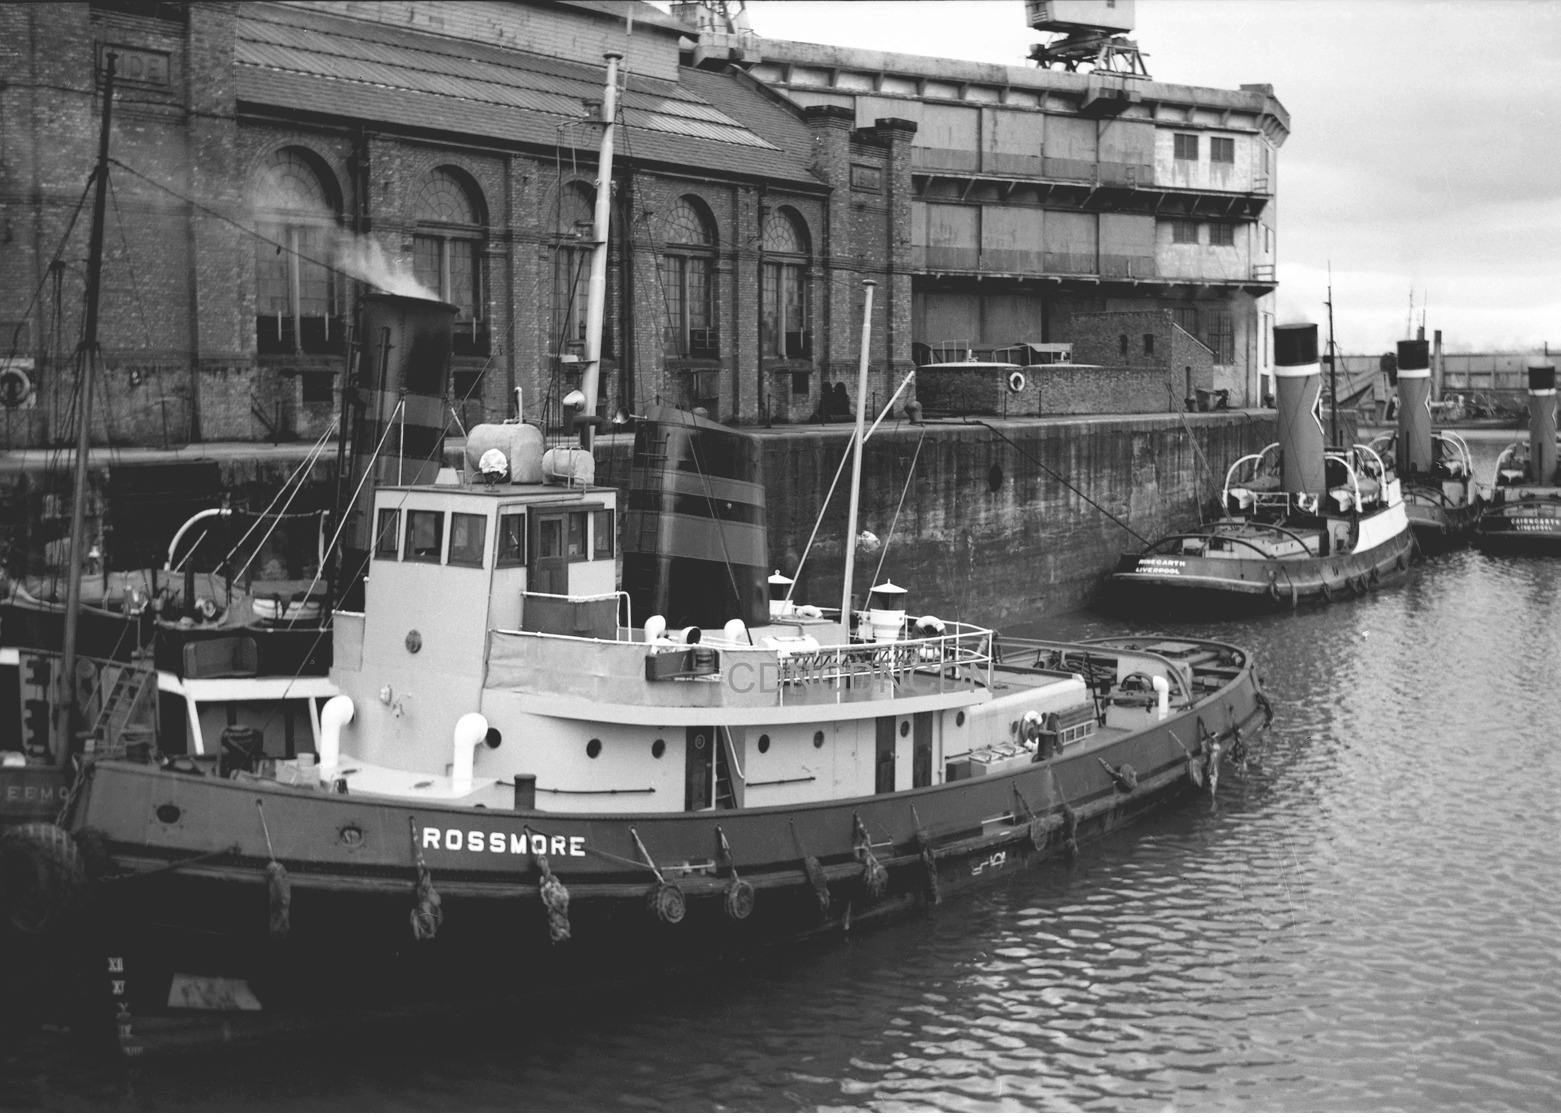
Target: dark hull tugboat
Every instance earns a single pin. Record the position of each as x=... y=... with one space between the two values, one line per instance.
x=1522 y=513
x=532 y=775
x=1302 y=523
x=1435 y=469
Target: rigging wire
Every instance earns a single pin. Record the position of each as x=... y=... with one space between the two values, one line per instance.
x=909 y=475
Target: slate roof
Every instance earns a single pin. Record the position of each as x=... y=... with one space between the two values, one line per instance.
x=301 y=60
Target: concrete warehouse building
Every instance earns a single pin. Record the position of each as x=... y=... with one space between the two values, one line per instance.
x=272 y=160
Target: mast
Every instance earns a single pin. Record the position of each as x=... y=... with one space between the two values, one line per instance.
x=86 y=360
x=596 y=293
x=1333 y=368
x=856 y=454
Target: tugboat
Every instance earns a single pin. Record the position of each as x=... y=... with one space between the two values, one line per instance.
x=534 y=775
x=1434 y=467
x=1523 y=508
x=1302 y=523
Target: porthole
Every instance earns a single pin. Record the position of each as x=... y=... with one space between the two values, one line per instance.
x=593 y=747
x=414 y=641
x=818 y=739
x=764 y=742
x=657 y=747
x=168 y=814
x=351 y=835
x=494 y=738
x=905 y=729
x=959 y=718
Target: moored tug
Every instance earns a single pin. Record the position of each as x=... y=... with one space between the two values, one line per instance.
x=1434 y=467
x=1522 y=512
x=1301 y=523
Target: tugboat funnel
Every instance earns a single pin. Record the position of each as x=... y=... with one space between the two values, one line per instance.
x=1542 y=423
x=1414 y=407
x=1298 y=386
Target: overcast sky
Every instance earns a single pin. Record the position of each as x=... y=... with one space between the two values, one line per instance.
x=1425 y=146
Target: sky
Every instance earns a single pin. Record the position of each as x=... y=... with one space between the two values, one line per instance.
x=1423 y=168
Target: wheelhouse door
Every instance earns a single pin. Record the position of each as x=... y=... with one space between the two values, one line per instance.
x=699 y=768
x=921 y=749
x=548 y=571
x=884 y=756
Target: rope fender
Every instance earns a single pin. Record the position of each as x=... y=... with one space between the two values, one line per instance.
x=929 y=858
x=1037 y=825
x=739 y=895
x=664 y=899
x=555 y=899
x=427 y=910
x=1125 y=778
x=814 y=871
x=1070 y=828
x=875 y=878
x=279 y=890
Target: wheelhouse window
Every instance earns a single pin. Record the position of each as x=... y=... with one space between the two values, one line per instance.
x=297 y=206
x=512 y=539
x=387 y=537
x=447 y=255
x=425 y=537
x=785 y=329
x=602 y=534
x=576 y=550
x=468 y=537
x=686 y=269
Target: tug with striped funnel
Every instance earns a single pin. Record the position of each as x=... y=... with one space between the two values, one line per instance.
x=1302 y=522
x=1523 y=508
x=1434 y=467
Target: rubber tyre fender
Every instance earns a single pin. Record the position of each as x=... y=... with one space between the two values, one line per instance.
x=43 y=879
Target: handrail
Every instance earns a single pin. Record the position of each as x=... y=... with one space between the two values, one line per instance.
x=1094 y=647
x=1232 y=539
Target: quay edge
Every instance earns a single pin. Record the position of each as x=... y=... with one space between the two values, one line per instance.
x=1006 y=519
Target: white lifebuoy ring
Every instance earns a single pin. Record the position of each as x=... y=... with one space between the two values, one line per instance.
x=1016 y=381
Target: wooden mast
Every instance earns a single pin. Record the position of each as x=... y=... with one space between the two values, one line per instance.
x=86 y=362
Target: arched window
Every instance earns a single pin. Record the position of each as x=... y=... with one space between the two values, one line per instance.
x=296 y=205
x=447 y=256
x=572 y=268
x=687 y=266
x=785 y=327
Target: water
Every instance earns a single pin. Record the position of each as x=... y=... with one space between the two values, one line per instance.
x=1366 y=918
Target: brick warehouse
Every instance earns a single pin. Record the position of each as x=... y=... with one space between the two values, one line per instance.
x=269 y=157
x=272 y=157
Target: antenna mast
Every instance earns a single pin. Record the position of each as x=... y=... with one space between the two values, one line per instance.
x=1333 y=363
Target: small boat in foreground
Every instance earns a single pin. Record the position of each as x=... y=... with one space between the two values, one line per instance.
x=1434 y=467
x=1522 y=511
x=1302 y=523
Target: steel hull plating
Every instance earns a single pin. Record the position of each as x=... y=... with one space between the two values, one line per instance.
x=1197 y=584
x=1528 y=525
x=184 y=885
x=1441 y=528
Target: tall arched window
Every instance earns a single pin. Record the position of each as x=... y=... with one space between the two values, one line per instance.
x=447 y=255
x=297 y=205
x=785 y=329
x=687 y=267
x=572 y=268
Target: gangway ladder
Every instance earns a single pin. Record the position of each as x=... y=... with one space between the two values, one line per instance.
x=124 y=700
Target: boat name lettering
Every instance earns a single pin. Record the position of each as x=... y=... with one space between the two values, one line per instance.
x=501 y=841
x=996 y=861
x=1156 y=564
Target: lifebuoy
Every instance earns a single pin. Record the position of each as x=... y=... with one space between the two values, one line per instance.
x=43 y=879
x=1016 y=381
x=15 y=387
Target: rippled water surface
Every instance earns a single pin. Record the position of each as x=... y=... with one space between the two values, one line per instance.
x=1367 y=917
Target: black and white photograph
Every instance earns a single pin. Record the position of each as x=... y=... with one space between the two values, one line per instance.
x=780 y=556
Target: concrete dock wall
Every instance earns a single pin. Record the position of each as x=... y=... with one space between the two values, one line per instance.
x=998 y=520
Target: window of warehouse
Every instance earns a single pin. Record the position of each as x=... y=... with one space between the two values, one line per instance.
x=297 y=205
x=1222 y=235
x=1219 y=334
x=1222 y=149
x=684 y=276
x=1184 y=232
x=573 y=222
x=1186 y=146
x=447 y=255
x=785 y=329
